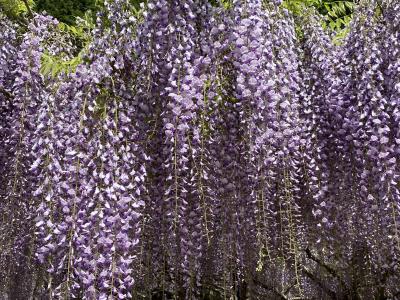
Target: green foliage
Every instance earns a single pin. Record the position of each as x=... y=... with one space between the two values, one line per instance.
x=81 y=34
x=66 y=11
x=136 y=3
x=14 y=9
x=81 y=30
x=53 y=65
x=337 y=14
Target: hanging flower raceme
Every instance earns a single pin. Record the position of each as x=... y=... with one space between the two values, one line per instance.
x=285 y=138
x=183 y=215
x=380 y=125
x=357 y=105
x=92 y=213
x=392 y=80
x=320 y=83
x=8 y=55
x=249 y=59
x=29 y=93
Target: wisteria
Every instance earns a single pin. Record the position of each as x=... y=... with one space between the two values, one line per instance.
x=224 y=150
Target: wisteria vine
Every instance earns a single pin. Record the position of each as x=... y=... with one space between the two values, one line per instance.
x=202 y=151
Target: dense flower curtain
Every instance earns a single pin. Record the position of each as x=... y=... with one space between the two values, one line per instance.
x=202 y=152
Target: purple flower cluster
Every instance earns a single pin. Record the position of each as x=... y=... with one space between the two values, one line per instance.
x=351 y=129
x=27 y=98
x=8 y=54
